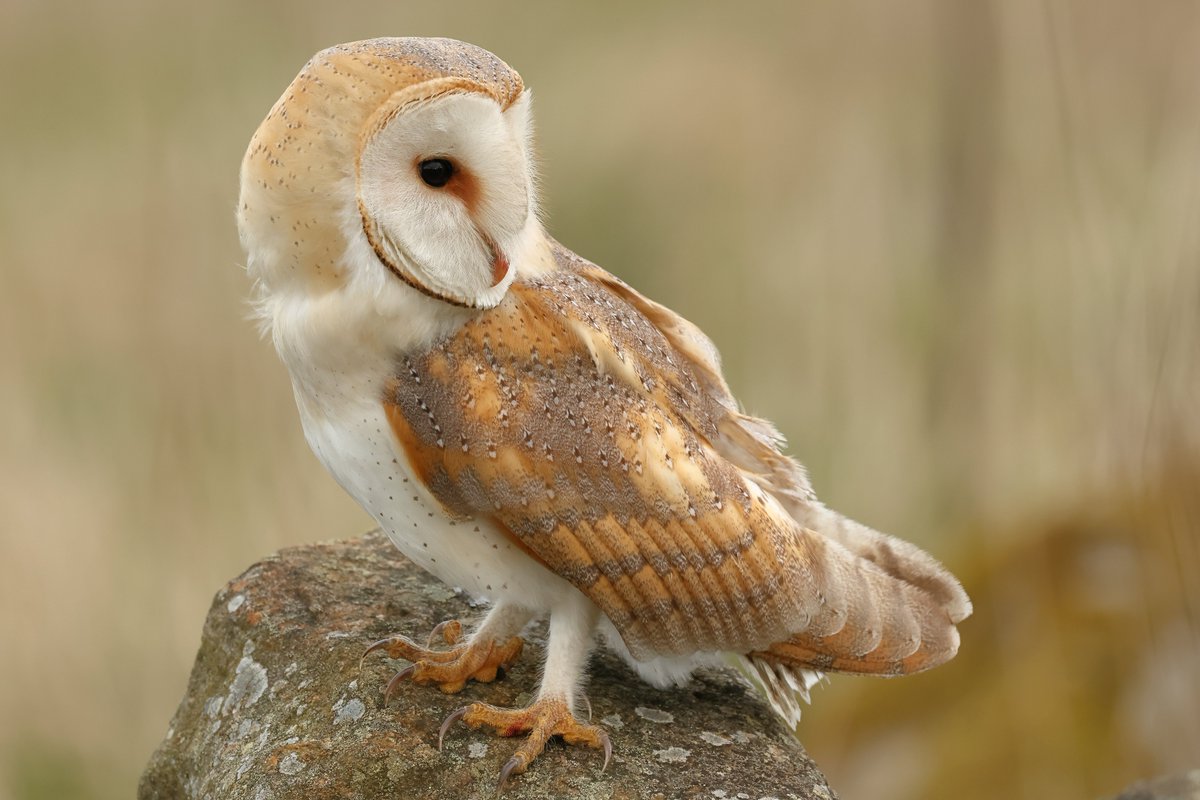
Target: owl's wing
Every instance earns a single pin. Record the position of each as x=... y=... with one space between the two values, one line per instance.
x=596 y=431
x=754 y=444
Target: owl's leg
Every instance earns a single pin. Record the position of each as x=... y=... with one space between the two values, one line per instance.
x=493 y=646
x=553 y=713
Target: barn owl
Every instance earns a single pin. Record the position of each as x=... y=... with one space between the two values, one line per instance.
x=528 y=427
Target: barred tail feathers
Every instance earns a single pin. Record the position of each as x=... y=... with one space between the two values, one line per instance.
x=899 y=559
x=886 y=607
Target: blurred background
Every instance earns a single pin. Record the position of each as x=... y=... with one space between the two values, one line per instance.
x=951 y=248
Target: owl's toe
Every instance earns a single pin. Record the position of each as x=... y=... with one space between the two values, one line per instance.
x=480 y=659
x=541 y=721
x=477 y=661
x=450 y=630
x=400 y=646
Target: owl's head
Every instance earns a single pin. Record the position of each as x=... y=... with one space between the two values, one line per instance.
x=394 y=162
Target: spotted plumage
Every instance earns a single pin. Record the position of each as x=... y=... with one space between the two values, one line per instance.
x=530 y=428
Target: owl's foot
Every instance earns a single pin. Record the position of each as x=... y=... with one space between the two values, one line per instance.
x=478 y=659
x=542 y=720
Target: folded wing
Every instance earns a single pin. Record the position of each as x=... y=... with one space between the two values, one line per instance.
x=594 y=426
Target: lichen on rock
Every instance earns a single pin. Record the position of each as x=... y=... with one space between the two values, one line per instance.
x=276 y=707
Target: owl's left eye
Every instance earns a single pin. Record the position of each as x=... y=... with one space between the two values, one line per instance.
x=436 y=172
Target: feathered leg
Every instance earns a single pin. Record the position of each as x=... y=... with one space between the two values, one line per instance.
x=552 y=714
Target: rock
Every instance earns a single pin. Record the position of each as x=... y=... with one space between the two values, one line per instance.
x=276 y=707
x=1184 y=786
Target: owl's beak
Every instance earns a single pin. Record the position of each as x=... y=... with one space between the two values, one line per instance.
x=499 y=261
x=499 y=268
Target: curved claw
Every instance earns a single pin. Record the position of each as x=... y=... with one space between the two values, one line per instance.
x=587 y=702
x=454 y=717
x=607 y=749
x=516 y=765
x=382 y=643
x=396 y=680
x=449 y=630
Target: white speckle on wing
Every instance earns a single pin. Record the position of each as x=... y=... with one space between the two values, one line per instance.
x=715 y=739
x=235 y=602
x=654 y=714
x=672 y=755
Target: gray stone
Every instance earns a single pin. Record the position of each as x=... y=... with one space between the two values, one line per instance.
x=1184 y=786
x=276 y=707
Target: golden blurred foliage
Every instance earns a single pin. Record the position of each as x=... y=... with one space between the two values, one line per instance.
x=951 y=248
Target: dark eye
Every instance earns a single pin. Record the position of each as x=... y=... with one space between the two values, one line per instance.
x=436 y=172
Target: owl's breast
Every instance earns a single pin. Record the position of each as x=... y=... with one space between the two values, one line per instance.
x=351 y=437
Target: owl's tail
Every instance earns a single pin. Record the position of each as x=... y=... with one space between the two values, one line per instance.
x=897 y=613
x=901 y=560
x=894 y=613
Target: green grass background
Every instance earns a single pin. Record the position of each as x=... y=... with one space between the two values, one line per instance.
x=952 y=249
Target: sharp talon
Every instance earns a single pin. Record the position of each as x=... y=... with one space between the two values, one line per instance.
x=450 y=720
x=514 y=764
x=587 y=702
x=436 y=632
x=449 y=631
x=607 y=750
x=396 y=680
x=377 y=646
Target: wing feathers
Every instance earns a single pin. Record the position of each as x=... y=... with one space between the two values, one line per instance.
x=595 y=427
x=856 y=611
